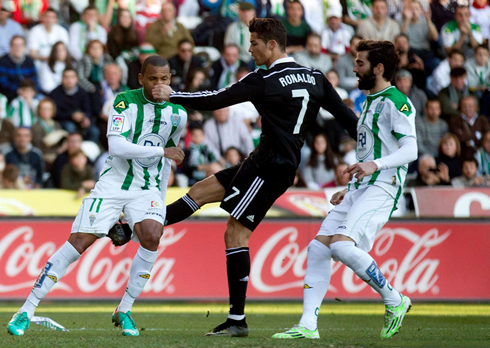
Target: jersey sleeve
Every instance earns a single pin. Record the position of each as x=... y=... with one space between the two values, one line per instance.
x=403 y=120
x=247 y=89
x=447 y=36
x=333 y=104
x=120 y=118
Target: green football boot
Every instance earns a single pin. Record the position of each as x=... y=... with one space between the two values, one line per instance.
x=298 y=332
x=394 y=316
x=126 y=322
x=19 y=324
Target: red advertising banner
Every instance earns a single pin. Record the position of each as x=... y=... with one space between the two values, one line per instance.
x=425 y=260
x=451 y=202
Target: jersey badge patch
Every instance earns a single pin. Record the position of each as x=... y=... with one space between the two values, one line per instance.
x=117 y=123
x=92 y=219
x=379 y=107
x=121 y=105
x=404 y=108
x=175 y=120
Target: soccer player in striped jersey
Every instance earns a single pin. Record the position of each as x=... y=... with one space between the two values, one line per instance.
x=142 y=133
x=288 y=97
x=386 y=144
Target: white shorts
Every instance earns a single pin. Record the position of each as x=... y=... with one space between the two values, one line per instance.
x=102 y=209
x=360 y=216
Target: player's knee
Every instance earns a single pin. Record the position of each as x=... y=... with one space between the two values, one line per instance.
x=341 y=250
x=81 y=241
x=236 y=236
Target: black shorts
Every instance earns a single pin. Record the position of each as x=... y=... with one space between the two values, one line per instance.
x=248 y=196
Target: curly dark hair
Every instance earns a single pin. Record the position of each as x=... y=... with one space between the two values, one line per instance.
x=268 y=29
x=380 y=52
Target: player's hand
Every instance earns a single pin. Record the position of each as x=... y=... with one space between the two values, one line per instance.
x=361 y=170
x=174 y=153
x=338 y=197
x=161 y=92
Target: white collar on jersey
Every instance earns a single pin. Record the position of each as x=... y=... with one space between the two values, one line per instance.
x=282 y=60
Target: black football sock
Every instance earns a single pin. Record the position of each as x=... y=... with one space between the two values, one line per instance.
x=238 y=269
x=180 y=210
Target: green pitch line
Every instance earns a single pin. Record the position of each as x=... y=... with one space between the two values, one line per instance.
x=425 y=309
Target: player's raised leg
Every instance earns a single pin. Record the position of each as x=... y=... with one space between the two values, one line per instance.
x=149 y=232
x=238 y=270
x=52 y=272
x=206 y=191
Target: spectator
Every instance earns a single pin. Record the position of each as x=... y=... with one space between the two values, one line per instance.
x=333 y=78
x=233 y=156
x=147 y=12
x=429 y=174
x=8 y=28
x=483 y=156
x=199 y=158
x=28 y=12
x=73 y=107
x=452 y=95
x=313 y=57
x=3 y=106
x=430 y=129
x=479 y=14
x=336 y=36
x=223 y=71
x=109 y=11
x=77 y=175
x=110 y=87
x=47 y=134
x=7 y=133
x=15 y=67
x=84 y=31
x=478 y=70
x=470 y=177
x=10 y=178
x=134 y=68
x=404 y=83
x=442 y=12
x=90 y=69
x=421 y=32
x=450 y=155
x=379 y=26
x=73 y=143
x=238 y=34
x=347 y=78
x=183 y=64
x=44 y=36
x=223 y=131
x=409 y=61
x=441 y=75
x=469 y=127
x=22 y=110
x=341 y=179
x=461 y=34
x=123 y=35
x=246 y=111
x=297 y=28
x=319 y=170
x=27 y=158
x=51 y=70
x=198 y=81
x=228 y=8
x=356 y=11
x=166 y=33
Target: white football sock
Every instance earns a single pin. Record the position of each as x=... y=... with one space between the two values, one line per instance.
x=317 y=280
x=365 y=267
x=138 y=277
x=53 y=271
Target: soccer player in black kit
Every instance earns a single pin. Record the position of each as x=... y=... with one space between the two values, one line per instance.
x=288 y=96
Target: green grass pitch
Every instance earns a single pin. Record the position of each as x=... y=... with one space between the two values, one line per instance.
x=184 y=324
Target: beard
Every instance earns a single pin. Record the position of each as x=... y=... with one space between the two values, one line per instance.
x=367 y=81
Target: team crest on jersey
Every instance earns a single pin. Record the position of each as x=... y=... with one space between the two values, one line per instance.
x=117 y=123
x=92 y=219
x=379 y=107
x=175 y=119
x=150 y=139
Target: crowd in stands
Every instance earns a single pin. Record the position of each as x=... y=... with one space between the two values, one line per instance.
x=62 y=63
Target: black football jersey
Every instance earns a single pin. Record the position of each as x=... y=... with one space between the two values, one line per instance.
x=288 y=96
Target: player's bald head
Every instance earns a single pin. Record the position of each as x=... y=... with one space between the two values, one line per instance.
x=153 y=60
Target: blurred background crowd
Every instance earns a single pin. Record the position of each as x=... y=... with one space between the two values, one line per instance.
x=62 y=62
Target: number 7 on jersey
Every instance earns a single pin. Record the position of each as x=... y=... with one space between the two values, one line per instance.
x=301 y=93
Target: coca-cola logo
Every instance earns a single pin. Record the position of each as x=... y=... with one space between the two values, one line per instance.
x=281 y=257
x=102 y=266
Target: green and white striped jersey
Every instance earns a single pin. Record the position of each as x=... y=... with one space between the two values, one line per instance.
x=386 y=117
x=144 y=123
x=3 y=106
x=21 y=114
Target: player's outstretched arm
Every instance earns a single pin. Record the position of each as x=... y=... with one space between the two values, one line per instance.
x=120 y=147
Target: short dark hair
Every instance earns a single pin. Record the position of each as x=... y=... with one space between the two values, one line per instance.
x=88 y=8
x=69 y=69
x=183 y=41
x=454 y=51
x=386 y=2
x=433 y=100
x=469 y=159
x=380 y=52
x=457 y=72
x=50 y=9
x=195 y=125
x=313 y=34
x=15 y=37
x=461 y=7
x=28 y=83
x=485 y=47
x=402 y=35
x=153 y=60
x=268 y=29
